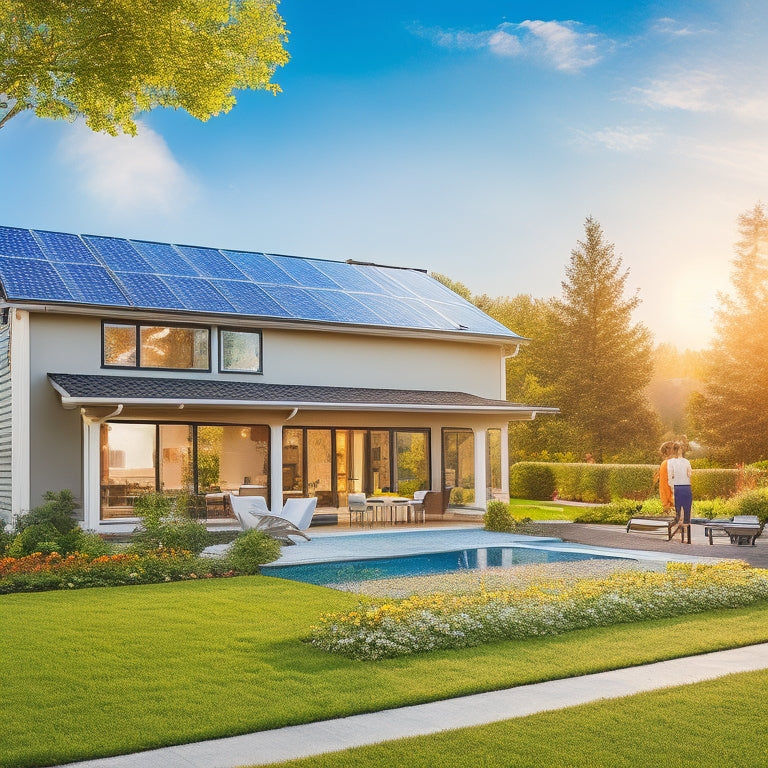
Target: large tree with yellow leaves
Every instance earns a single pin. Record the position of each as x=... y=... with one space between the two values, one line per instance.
x=109 y=59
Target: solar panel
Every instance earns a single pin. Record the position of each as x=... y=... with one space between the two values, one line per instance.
x=32 y=279
x=303 y=272
x=399 y=313
x=346 y=308
x=210 y=262
x=19 y=243
x=469 y=317
x=60 y=247
x=348 y=276
x=119 y=255
x=388 y=282
x=148 y=291
x=426 y=287
x=299 y=303
x=249 y=299
x=164 y=259
x=259 y=268
x=197 y=294
x=92 y=284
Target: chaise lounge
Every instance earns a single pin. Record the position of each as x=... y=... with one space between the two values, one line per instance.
x=741 y=529
x=295 y=518
x=666 y=524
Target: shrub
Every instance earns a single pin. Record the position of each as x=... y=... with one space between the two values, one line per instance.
x=164 y=525
x=614 y=513
x=631 y=481
x=55 y=511
x=498 y=517
x=711 y=483
x=749 y=503
x=252 y=549
x=531 y=480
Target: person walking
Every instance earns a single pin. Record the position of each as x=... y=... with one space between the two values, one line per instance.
x=665 y=489
x=679 y=476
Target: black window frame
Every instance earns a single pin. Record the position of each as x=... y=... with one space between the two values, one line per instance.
x=138 y=325
x=239 y=371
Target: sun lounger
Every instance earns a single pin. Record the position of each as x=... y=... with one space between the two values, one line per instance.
x=742 y=529
x=664 y=524
x=295 y=518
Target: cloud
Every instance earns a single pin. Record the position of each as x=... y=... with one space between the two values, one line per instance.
x=126 y=173
x=674 y=28
x=695 y=91
x=618 y=139
x=563 y=45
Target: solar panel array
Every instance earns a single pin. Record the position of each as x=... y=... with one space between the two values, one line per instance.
x=60 y=268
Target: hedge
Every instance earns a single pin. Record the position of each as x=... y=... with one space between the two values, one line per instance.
x=607 y=482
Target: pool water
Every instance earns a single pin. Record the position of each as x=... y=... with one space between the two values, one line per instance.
x=478 y=559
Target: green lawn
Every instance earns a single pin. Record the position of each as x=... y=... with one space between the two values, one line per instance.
x=708 y=725
x=544 y=510
x=107 y=671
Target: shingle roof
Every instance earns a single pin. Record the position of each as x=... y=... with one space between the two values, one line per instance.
x=82 y=389
x=56 y=268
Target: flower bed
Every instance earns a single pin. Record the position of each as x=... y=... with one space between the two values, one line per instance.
x=441 y=621
x=38 y=572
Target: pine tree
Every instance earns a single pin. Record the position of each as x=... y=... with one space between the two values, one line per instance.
x=604 y=359
x=730 y=414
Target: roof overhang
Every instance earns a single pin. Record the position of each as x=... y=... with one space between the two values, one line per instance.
x=80 y=390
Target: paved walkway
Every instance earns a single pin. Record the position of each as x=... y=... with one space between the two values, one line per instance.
x=359 y=730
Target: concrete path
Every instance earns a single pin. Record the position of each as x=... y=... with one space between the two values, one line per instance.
x=359 y=730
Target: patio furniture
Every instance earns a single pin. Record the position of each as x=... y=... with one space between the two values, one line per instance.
x=416 y=507
x=436 y=503
x=385 y=508
x=295 y=518
x=217 y=505
x=665 y=524
x=741 y=529
x=252 y=490
x=358 y=506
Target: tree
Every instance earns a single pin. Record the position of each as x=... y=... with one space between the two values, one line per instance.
x=729 y=416
x=109 y=59
x=604 y=359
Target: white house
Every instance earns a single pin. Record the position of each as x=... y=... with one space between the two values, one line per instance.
x=128 y=366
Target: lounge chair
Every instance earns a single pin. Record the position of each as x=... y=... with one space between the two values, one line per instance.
x=666 y=524
x=741 y=529
x=295 y=518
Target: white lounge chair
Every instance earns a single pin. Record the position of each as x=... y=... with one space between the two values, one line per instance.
x=253 y=514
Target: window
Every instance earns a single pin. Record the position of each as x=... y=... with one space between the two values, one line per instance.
x=240 y=351
x=131 y=345
x=179 y=458
x=459 y=464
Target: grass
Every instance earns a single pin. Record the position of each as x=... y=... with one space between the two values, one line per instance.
x=707 y=725
x=108 y=671
x=544 y=510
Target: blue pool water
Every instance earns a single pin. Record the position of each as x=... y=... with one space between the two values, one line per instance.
x=424 y=564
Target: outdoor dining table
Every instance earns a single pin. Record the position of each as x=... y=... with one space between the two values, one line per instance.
x=387 y=508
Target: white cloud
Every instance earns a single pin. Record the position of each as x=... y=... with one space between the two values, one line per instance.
x=618 y=139
x=562 y=45
x=130 y=174
x=695 y=91
x=675 y=28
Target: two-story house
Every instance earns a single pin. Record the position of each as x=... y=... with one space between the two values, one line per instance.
x=129 y=366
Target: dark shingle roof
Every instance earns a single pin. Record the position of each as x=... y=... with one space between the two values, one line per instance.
x=81 y=389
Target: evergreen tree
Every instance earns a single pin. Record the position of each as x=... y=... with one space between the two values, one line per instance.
x=730 y=416
x=604 y=359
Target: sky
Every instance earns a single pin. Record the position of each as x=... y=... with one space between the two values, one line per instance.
x=470 y=139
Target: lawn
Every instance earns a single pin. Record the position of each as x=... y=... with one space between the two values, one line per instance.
x=107 y=671
x=544 y=510
x=708 y=725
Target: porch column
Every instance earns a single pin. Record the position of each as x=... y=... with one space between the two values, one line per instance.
x=91 y=473
x=276 y=466
x=436 y=457
x=505 y=461
x=481 y=470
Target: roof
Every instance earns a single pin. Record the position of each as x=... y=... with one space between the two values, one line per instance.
x=66 y=270
x=94 y=390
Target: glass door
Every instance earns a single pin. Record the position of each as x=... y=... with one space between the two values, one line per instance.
x=350 y=463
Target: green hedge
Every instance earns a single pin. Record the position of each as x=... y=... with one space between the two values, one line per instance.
x=601 y=483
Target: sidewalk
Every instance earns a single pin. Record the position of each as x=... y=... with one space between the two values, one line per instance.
x=359 y=730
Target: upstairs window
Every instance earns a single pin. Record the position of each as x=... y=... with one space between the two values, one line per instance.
x=239 y=351
x=133 y=345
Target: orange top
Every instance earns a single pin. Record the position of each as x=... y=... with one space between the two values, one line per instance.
x=665 y=490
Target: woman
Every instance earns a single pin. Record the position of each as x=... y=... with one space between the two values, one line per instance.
x=679 y=474
x=665 y=489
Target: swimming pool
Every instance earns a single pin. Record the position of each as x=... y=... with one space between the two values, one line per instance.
x=423 y=564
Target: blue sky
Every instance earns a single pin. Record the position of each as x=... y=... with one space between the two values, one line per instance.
x=471 y=139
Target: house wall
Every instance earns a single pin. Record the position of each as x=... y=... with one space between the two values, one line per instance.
x=6 y=432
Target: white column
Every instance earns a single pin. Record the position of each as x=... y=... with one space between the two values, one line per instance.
x=481 y=458
x=276 y=466
x=505 y=461
x=21 y=457
x=91 y=473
